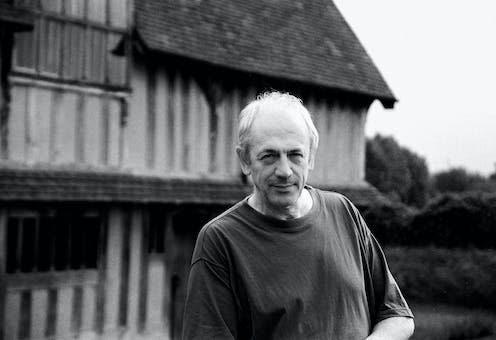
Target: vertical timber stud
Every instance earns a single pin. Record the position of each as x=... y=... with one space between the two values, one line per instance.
x=143 y=270
x=6 y=45
x=214 y=94
x=177 y=112
x=3 y=255
x=112 y=273
x=124 y=286
x=124 y=116
x=135 y=255
x=168 y=250
x=151 y=93
x=98 y=321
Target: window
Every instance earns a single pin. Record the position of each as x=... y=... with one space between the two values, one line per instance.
x=52 y=242
x=74 y=40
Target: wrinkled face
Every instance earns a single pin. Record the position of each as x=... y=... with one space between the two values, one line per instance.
x=278 y=159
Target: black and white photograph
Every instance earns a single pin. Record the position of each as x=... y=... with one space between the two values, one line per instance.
x=266 y=169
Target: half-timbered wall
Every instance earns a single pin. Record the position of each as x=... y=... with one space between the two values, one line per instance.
x=65 y=125
x=340 y=159
x=73 y=41
x=173 y=131
x=95 y=272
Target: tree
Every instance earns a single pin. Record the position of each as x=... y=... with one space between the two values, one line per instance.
x=457 y=180
x=492 y=177
x=396 y=171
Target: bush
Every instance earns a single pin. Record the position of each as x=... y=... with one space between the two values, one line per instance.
x=453 y=276
x=456 y=220
x=389 y=222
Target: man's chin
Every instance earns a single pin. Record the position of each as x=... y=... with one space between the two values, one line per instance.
x=284 y=200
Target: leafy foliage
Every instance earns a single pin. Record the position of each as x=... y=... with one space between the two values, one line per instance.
x=463 y=220
x=389 y=222
x=396 y=171
x=452 y=276
x=452 y=221
x=456 y=180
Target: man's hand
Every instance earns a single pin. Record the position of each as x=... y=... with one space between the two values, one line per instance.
x=395 y=328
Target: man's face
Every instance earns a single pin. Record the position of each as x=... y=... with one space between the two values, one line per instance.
x=278 y=159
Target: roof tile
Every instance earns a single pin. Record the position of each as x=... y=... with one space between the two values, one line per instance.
x=306 y=41
x=45 y=185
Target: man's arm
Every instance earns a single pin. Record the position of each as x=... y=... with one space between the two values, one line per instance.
x=392 y=318
x=210 y=309
x=394 y=328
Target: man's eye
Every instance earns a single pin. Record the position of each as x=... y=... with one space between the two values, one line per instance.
x=267 y=157
x=296 y=155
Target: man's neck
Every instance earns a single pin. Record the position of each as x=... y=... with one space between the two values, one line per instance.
x=300 y=209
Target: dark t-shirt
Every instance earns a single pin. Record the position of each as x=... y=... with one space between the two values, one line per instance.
x=321 y=276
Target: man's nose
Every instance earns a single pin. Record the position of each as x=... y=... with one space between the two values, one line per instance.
x=283 y=168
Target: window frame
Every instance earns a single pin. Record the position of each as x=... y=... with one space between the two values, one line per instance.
x=90 y=28
x=71 y=218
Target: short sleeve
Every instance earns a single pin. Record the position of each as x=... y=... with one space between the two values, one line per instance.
x=210 y=311
x=389 y=301
x=383 y=294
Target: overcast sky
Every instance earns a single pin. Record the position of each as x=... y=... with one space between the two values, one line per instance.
x=439 y=58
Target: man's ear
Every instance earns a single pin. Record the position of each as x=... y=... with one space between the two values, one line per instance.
x=244 y=160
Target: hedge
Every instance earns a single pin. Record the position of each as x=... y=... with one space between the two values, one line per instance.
x=452 y=276
x=451 y=221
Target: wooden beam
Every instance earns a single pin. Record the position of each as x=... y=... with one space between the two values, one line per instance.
x=52 y=279
x=3 y=261
x=135 y=249
x=39 y=312
x=151 y=113
x=12 y=311
x=64 y=311
x=112 y=270
x=178 y=123
x=161 y=119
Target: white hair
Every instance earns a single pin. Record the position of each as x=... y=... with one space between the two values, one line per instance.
x=267 y=99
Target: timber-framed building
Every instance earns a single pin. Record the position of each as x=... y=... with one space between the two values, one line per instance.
x=118 y=121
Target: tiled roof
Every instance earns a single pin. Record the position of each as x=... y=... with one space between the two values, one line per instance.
x=303 y=41
x=66 y=186
x=44 y=185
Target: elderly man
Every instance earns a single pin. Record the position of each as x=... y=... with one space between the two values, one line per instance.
x=289 y=261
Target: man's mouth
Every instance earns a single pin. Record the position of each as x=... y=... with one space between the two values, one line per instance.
x=283 y=186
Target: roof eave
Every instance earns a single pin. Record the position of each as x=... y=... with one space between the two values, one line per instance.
x=141 y=47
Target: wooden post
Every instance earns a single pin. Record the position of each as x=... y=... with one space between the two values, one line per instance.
x=162 y=149
x=112 y=272
x=39 y=313
x=151 y=114
x=88 y=312
x=178 y=128
x=135 y=249
x=235 y=109
x=6 y=45
x=193 y=130
x=3 y=255
x=64 y=311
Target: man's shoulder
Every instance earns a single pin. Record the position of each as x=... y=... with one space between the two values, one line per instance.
x=224 y=221
x=332 y=198
x=216 y=235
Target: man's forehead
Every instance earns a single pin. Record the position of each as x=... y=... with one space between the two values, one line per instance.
x=283 y=117
x=279 y=139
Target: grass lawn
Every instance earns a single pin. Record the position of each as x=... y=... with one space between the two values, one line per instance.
x=441 y=322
